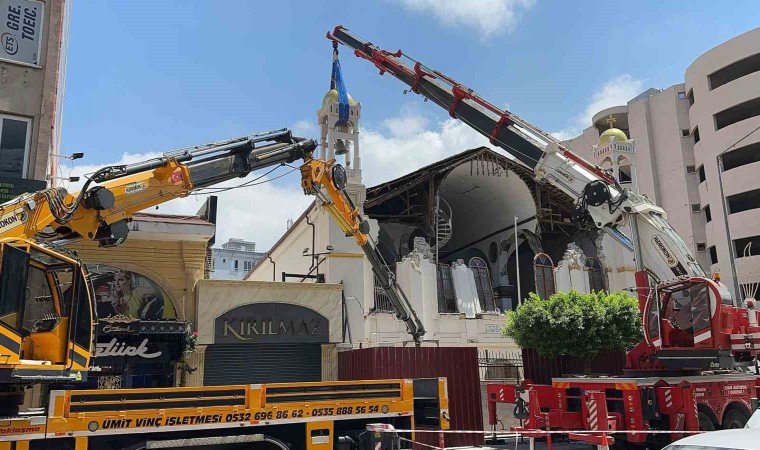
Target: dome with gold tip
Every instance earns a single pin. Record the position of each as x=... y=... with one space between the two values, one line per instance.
x=610 y=133
x=333 y=94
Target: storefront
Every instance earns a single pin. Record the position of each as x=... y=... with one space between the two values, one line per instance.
x=144 y=295
x=134 y=354
x=263 y=332
x=139 y=339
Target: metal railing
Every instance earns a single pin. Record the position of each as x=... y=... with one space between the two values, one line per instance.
x=500 y=365
x=447 y=300
x=382 y=299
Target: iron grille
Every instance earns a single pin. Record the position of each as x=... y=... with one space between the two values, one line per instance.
x=382 y=300
x=447 y=300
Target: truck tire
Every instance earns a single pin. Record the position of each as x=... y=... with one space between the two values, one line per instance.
x=734 y=418
x=705 y=423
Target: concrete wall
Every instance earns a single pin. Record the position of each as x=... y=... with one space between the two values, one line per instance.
x=708 y=102
x=31 y=92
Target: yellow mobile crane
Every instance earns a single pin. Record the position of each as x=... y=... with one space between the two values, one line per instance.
x=47 y=323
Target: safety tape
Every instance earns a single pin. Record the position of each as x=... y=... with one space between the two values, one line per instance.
x=542 y=432
x=420 y=443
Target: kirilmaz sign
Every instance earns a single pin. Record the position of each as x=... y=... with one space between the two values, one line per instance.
x=270 y=323
x=21 y=30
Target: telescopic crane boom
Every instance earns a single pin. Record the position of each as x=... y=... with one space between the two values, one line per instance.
x=602 y=203
x=326 y=180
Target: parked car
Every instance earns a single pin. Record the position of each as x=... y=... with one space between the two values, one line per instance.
x=738 y=439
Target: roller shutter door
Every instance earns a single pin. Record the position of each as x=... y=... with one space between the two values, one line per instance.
x=262 y=363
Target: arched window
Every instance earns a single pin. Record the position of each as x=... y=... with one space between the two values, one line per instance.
x=595 y=274
x=543 y=268
x=624 y=167
x=483 y=283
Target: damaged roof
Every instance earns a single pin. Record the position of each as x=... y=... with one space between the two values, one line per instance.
x=440 y=169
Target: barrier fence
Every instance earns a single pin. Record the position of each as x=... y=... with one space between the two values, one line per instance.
x=603 y=439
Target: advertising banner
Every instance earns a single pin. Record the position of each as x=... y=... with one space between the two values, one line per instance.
x=21 y=30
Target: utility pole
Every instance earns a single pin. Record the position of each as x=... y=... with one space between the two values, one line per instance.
x=517 y=265
x=731 y=251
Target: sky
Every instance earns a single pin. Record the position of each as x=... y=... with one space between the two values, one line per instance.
x=146 y=77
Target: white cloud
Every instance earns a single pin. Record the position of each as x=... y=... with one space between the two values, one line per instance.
x=304 y=128
x=615 y=92
x=488 y=17
x=410 y=145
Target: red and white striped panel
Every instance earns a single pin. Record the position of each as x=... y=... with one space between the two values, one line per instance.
x=702 y=336
x=745 y=341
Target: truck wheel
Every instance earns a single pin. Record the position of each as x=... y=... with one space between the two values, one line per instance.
x=705 y=423
x=735 y=418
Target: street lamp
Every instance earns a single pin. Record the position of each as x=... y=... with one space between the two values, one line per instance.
x=72 y=156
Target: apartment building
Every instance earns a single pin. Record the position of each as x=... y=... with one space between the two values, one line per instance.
x=697 y=145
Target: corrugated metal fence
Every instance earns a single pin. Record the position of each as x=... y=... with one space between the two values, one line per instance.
x=458 y=364
x=541 y=370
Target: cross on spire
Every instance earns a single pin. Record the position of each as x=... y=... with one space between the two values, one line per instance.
x=610 y=121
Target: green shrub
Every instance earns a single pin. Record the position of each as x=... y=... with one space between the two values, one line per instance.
x=576 y=324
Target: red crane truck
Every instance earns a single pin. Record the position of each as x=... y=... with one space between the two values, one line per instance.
x=691 y=370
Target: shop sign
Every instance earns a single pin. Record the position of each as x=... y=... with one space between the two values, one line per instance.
x=123 y=349
x=271 y=323
x=21 y=30
x=114 y=347
x=10 y=188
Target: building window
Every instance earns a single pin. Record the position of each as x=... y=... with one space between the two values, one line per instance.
x=382 y=299
x=701 y=173
x=696 y=207
x=744 y=201
x=701 y=246
x=740 y=244
x=713 y=255
x=247 y=265
x=685 y=133
x=15 y=135
x=741 y=156
x=236 y=265
x=691 y=169
x=682 y=95
x=543 y=269
x=741 y=68
x=708 y=214
x=483 y=284
x=690 y=96
x=447 y=299
x=696 y=134
x=595 y=274
x=742 y=111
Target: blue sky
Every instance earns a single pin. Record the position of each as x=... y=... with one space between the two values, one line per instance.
x=146 y=76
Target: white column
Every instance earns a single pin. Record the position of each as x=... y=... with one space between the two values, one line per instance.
x=323 y=139
x=330 y=139
x=357 y=157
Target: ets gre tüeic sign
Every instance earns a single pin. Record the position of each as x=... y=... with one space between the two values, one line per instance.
x=21 y=31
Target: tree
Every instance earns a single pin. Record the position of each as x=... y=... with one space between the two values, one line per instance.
x=576 y=324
